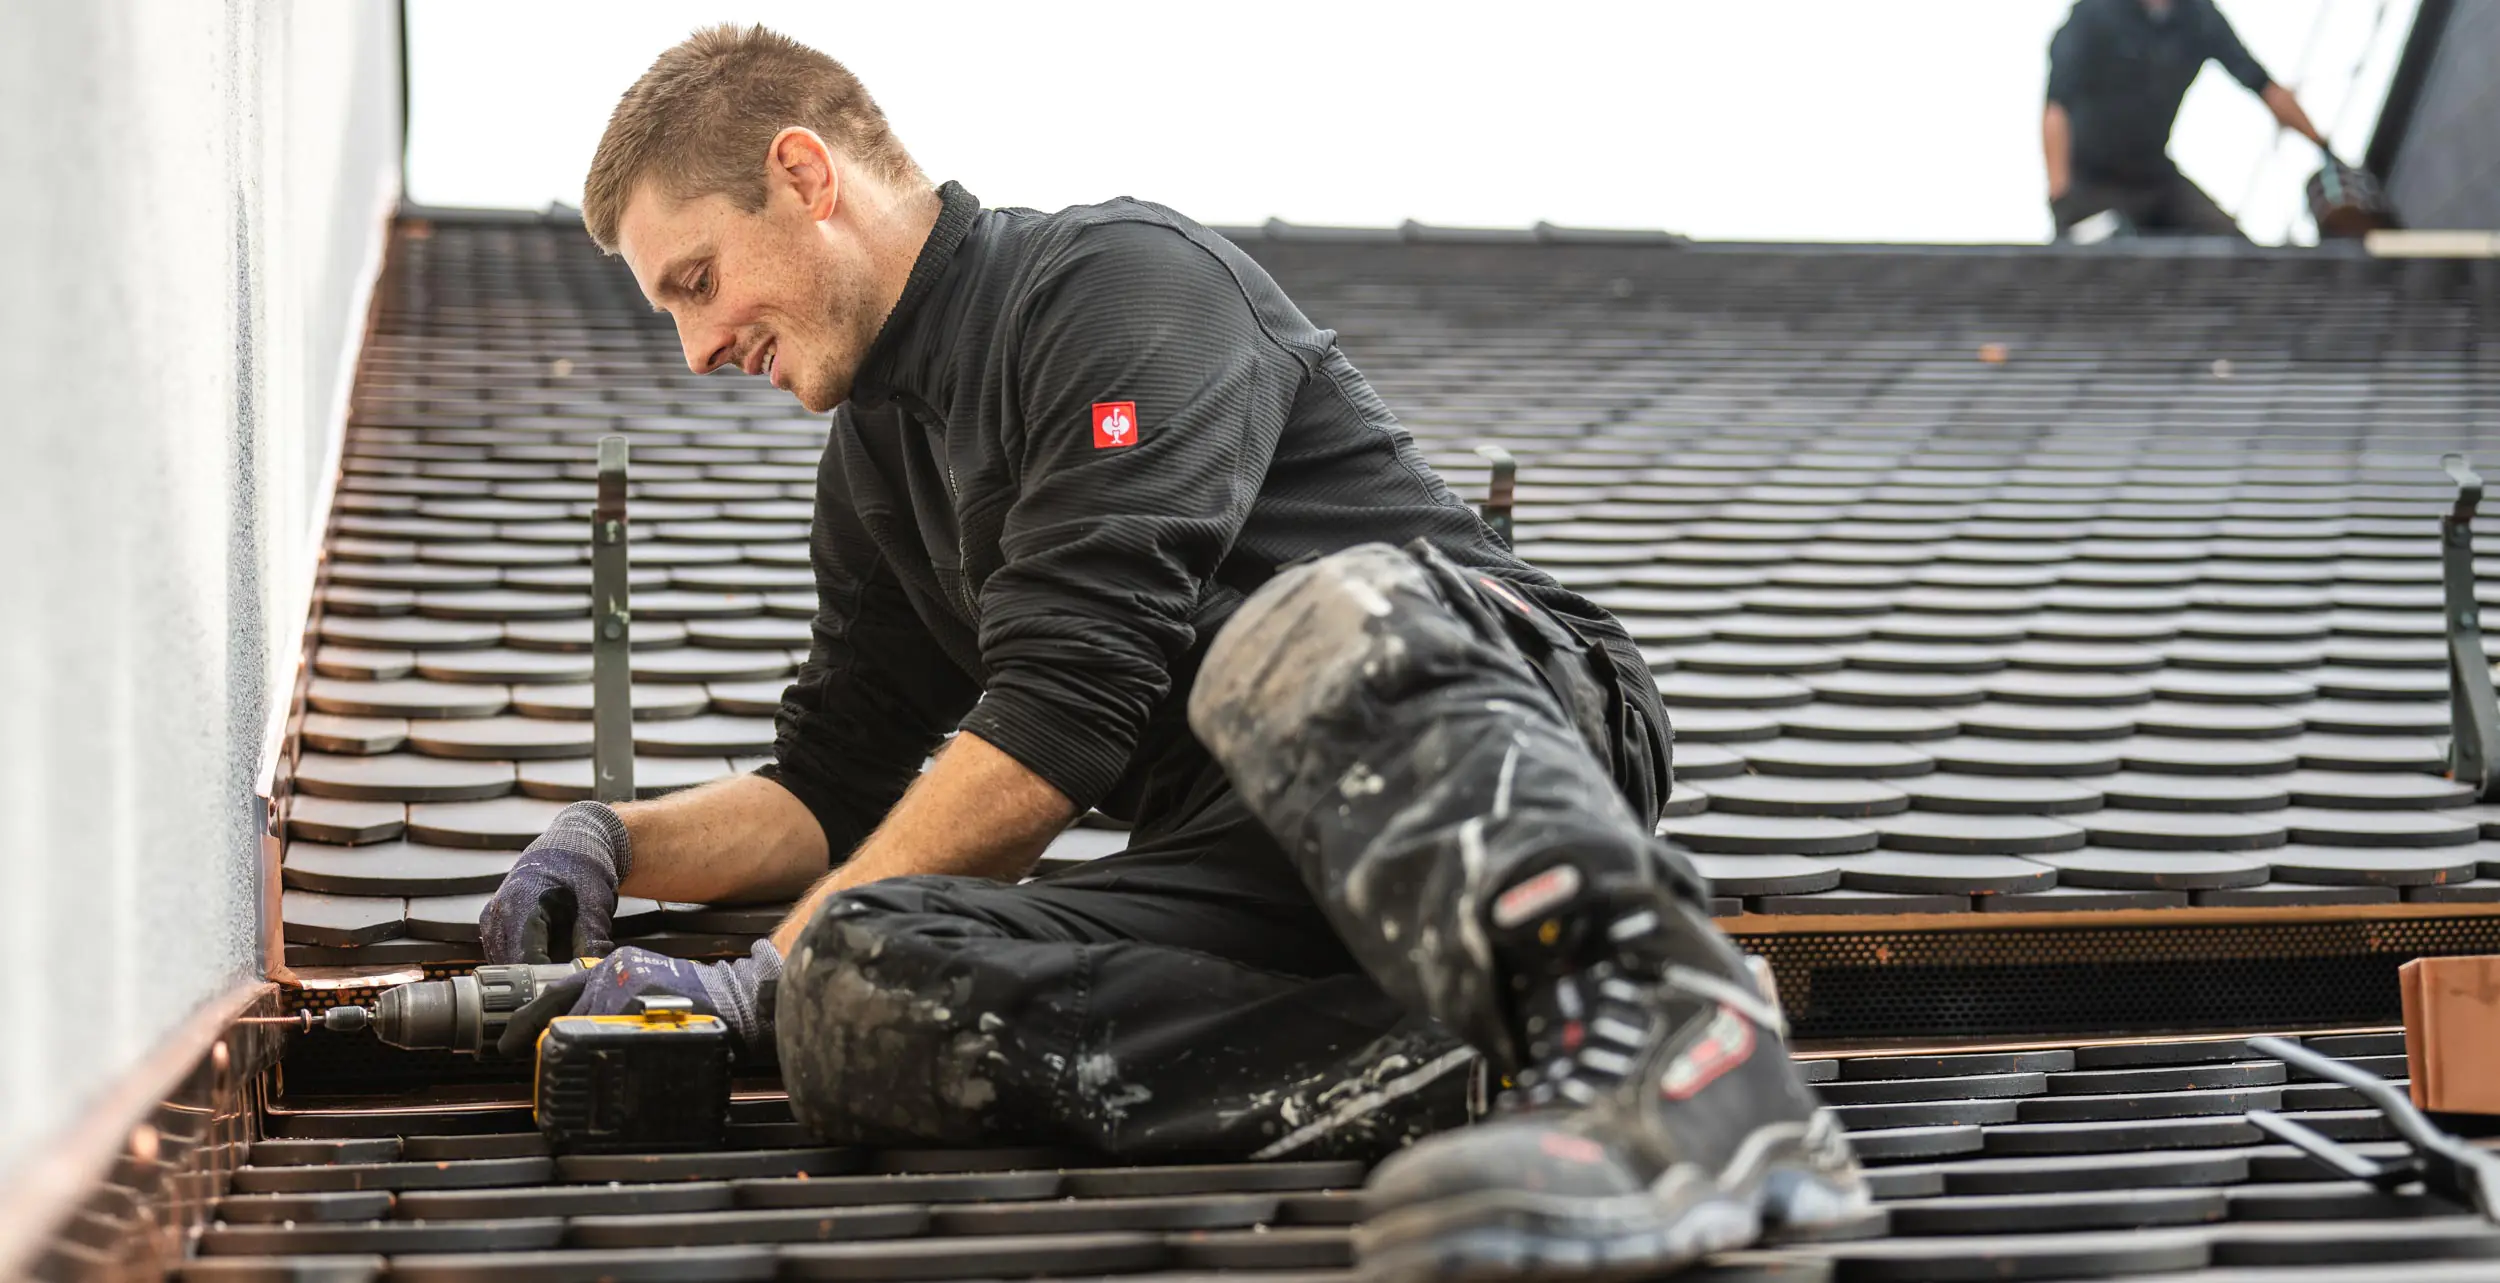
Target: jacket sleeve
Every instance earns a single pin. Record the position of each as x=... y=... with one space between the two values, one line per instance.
x=2222 y=44
x=876 y=693
x=1116 y=530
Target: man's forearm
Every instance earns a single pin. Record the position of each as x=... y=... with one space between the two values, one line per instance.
x=976 y=813
x=740 y=838
x=2287 y=113
x=2056 y=148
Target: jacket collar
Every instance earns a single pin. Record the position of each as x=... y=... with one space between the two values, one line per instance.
x=875 y=382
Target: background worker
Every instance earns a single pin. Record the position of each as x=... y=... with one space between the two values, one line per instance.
x=1101 y=500
x=2117 y=72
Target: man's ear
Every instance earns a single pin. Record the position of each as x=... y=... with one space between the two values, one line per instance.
x=800 y=163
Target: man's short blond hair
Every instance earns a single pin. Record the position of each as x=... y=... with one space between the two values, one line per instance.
x=700 y=121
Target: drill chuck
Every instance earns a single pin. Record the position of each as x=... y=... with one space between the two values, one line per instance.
x=464 y=1013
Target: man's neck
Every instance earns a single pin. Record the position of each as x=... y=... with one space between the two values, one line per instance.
x=901 y=224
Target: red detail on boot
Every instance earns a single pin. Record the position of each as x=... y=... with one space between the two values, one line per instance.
x=1571 y=1149
x=1574 y=1033
x=1722 y=1046
x=1536 y=896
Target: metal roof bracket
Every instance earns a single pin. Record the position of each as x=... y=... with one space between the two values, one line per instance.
x=2473 y=710
x=1502 y=493
x=611 y=635
x=2448 y=1167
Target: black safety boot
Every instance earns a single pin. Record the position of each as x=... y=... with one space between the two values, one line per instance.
x=1655 y=1118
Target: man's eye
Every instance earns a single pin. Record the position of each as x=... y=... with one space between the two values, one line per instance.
x=703 y=286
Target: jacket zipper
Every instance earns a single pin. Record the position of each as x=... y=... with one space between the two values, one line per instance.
x=957 y=585
x=958 y=582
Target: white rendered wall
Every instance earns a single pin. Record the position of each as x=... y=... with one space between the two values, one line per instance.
x=192 y=205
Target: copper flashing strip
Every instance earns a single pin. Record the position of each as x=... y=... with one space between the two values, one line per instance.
x=120 y=1193
x=502 y=1099
x=374 y=976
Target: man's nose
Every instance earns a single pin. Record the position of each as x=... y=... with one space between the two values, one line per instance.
x=706 y=348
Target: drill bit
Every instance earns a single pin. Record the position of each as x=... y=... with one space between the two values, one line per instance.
x=345 y=1020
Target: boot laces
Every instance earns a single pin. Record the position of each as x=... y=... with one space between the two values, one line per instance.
x=1588 y=1029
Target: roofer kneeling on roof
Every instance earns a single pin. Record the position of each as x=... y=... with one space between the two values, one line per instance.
x=1101 y=500
x=2117 y=72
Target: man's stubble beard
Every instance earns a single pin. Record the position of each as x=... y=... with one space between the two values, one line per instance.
x=851 y=321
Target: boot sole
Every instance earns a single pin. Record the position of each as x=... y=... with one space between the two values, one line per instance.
x=1477 y=1240
x=1508 y=1234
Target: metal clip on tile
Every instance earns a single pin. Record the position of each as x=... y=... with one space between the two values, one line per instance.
x=1503 y=492
x=2447 y=1166
x=611 y=634
x=2473 y=710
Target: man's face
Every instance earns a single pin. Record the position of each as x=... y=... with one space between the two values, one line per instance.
x=782 y=292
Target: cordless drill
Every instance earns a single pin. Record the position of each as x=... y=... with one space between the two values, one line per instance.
x=464 y=1013
x=654 y=1079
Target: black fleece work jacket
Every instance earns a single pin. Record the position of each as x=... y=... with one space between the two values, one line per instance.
x=1078 y=442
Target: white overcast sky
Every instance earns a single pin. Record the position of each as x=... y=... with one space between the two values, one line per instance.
x=1895 y=120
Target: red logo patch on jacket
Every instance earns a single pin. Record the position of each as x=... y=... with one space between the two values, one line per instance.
x=1115 y=424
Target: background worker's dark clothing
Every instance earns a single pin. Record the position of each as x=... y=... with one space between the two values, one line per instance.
x=1194 y=996
x=981 y=561
x=2120 y=74
x=2171 y=204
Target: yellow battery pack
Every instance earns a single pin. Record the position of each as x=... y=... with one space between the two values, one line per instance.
x=653 y=1081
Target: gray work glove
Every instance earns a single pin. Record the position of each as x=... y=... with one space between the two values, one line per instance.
x=729 y=990
x=559 y=901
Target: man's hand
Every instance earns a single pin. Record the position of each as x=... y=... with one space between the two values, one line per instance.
x=561 y=893
x=729 y=990
x=2287 y=113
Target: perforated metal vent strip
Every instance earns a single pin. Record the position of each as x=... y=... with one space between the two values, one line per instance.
x=2112 y=980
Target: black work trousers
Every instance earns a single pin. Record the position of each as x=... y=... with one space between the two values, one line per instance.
x=1293 y=960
